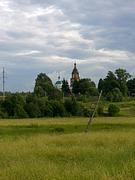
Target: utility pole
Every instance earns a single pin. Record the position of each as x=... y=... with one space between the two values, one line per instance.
x=3 y=83
x=93 y=114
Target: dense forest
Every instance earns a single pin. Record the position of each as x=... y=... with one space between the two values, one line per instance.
x=48 y=101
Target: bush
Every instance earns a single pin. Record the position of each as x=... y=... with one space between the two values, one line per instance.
x=14 y=106
x=58 y=108
x=87 y=112
x=115 y=95
x=100 y=110
x=45 y=107
x=33 y=110
x=71 y=106
x=3 y=114
x=20 y=112
x=113 y=110
x=48 y=110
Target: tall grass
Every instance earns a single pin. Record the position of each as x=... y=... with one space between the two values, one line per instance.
x=101 y=154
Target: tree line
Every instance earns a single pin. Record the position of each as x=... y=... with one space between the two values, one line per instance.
x=48 y=101
x=115 y=86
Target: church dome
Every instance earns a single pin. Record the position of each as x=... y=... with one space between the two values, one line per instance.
x=58 y=83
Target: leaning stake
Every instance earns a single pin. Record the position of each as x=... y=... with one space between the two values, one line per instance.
x=93 y=114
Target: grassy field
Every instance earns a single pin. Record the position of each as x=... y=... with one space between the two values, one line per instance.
x=49 y=149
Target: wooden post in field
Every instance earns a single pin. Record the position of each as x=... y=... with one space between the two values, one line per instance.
x=93 y=114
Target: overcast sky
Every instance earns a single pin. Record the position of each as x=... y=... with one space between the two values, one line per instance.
x=50 y=35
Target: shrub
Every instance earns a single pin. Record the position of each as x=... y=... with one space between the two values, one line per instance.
x=113 y=110
x=87 y=112
x=48 y=110
x=100 y=110
x=3 y=114
x=33 y=110
x=58 y=108
x=109 y=96
x=20 y=112
x=14 y=106
x=71 y=106
x=45 y=107
x=115 y=95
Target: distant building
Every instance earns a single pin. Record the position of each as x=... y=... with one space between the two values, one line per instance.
x=58 y=83
x=75 y=75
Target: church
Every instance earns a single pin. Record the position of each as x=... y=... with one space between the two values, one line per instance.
x=74 y=77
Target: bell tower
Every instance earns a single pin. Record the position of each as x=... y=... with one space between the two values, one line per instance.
x=75 y=75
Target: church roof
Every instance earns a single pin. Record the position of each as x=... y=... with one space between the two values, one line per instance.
x=58 y=82
x=75 y=71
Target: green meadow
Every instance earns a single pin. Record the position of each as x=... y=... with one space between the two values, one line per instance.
x=59 y=149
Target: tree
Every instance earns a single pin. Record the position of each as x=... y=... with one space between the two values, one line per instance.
x=85 y=87
x=33 y=110
x=75 y=87
x=101 y=85
x=14 y=105
x=38 y=106
x=71 y=106
x=20 y=112
x=55 y=94
x=122 y=77
x=58 y=108
x=131 y=87
x=108 y=84
x=113 y=110
x=65 y=87
x=43 y=85
x=32 y=106
x=114 y=84
x=115 y=95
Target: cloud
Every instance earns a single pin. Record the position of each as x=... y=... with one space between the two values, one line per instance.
x=48 y=36
x=27 y=53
